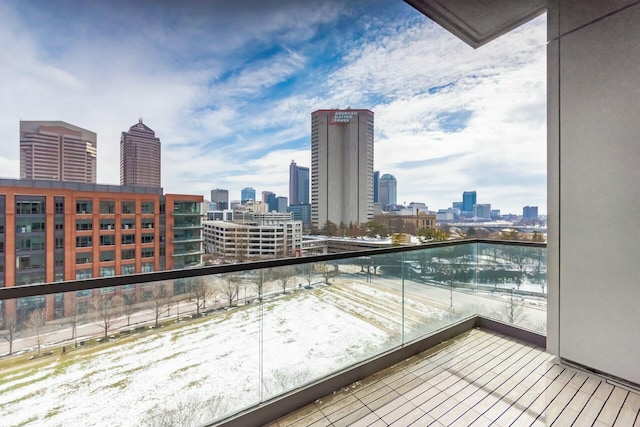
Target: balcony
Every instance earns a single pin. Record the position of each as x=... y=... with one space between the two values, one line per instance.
x=245 y=344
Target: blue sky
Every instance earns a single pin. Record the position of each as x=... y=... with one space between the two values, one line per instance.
x=229 y=86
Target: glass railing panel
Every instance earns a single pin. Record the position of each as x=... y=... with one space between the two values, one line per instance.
x=440 y=288
x=162 y=353
x=327 y=317
x=512 y=284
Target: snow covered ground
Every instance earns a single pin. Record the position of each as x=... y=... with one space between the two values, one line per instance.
x=194 y=372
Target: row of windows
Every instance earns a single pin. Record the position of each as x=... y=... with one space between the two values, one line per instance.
x=87 y=273
x=109 y=207
x=87 y=257
x=110 y=240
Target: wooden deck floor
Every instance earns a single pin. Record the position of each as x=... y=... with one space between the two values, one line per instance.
x=480 y=378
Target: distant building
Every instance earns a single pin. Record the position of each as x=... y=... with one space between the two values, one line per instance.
x=341 y=166
x=444 y=215
x=247 y=193
x=457 y=205
x=298 y=184
x=282 y=203
x=376 y=181
x=58 y=151
x=482 y=211
x=221 y=198
x=387 y=191
x=301 y=212
x=530 y=213
x=140 y=157
x=495 y=213
x=254 y=237
x=468 y=200
x=266 y=194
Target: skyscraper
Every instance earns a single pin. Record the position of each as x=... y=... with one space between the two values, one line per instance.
x=468 y=200
x=376 y=180
x=298 y=184
x=221 y=198
x=58 y=151
x=265 y=196
x=341 y=166
x=530 y=213
x=387 y=191
x=140 y=157
x=247 y=193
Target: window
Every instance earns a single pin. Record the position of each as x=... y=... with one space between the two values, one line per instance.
x=85 y=273
x=59 y=205
x=107 y=256
x=108 y=289
x=147 y=253
x=84 y=258
x=107 y=206
x=147 y=267
x=85 y=293
x=128 y=224
x=147 y=207
x=107 y=240
x=128 y=254
x=147 y=238
x=83 y=242
x=107 y=224
x=147 y=223
x=128 y=269
x=128 y=208
x=128 y=239
x=84 y=207
x=28 y=205
x=84 y=225
x=59 y=243
x=59 y=226
x=107 y=272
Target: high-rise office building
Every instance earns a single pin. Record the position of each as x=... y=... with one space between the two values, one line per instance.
x=468 y=200
x=376 y=180
x=247 y=193
x=298 y=184
x=221 y=198
x=282 y=203
x=482 y=211
x=387 y=191
x=530 y=213
x=341 y=166
x=140 y=157
x=265 y=196
x=58 y=151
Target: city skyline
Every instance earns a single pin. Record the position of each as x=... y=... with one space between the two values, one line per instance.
x=235 y=113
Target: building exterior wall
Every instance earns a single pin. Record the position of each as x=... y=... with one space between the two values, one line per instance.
x=237 y=241
x=140 y=157
x=54 y=150
x=593 y=131
x=341 y=166
x=298 y=184
x=69 y=231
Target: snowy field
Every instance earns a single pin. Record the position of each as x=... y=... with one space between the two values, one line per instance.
x=194 y=372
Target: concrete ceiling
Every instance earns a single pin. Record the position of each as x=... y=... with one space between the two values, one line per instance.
x=477 y=22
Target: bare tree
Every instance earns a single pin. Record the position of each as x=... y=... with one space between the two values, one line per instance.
x=10 y=327
x=35 y=322
x=158 y=299
x=325 y=270
x=128 y=302
x=106 y=308
x=259 y=279
x=230 y=288
x=284 y=275
x=201 y=291
x=307 y=272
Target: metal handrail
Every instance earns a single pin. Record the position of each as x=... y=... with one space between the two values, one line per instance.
x=140 y=278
